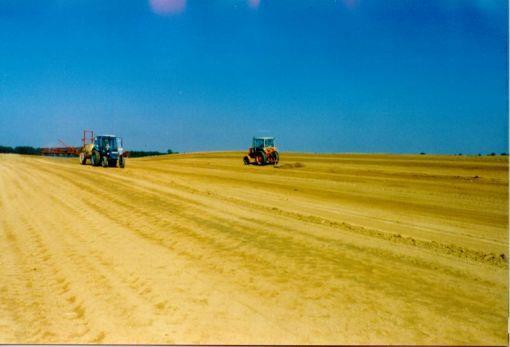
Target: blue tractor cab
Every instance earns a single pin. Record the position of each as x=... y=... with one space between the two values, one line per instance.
x=108 y=151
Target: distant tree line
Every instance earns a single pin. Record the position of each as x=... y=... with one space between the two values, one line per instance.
x=138 y=154
x=479 y=154
x=21 y=150
x=37 y=151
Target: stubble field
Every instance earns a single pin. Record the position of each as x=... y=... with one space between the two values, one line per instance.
x=197 y=248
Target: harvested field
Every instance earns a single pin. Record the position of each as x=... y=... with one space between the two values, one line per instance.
x=329 y=249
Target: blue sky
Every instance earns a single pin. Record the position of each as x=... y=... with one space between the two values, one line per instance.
x=400 y=76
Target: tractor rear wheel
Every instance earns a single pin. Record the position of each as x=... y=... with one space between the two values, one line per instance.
x=261 y=159
x=276 y=157
x=122 y=162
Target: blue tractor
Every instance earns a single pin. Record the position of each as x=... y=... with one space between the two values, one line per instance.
x=106 y=150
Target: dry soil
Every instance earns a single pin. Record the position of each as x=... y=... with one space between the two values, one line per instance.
x=197 y=248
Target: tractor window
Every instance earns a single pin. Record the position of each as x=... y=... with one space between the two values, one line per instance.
x=112 y=141
x=258 y=143
x=119 y=142
x=269 y=142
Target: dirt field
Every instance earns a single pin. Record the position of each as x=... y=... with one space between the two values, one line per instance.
x=201 y=249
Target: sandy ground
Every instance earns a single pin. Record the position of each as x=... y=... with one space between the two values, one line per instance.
x=201 y=249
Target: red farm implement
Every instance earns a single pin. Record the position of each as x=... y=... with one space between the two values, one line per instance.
x=64 y=150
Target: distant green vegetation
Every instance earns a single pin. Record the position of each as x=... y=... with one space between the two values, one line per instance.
x=37 y=151
x=20 y=150
x=138 y=154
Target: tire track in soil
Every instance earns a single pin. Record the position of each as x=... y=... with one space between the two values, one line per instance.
x=210 y=241
x=292 y=264
x=95 y=253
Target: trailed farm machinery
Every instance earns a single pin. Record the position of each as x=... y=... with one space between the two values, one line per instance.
x=64 y=150
x=104 y=150
x=262 y=151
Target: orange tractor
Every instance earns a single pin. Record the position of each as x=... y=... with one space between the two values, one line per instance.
x=262 y=151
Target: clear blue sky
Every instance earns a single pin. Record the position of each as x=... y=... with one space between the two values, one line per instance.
x=400 y=76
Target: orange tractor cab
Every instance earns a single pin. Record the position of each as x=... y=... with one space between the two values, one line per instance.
x=262 y=151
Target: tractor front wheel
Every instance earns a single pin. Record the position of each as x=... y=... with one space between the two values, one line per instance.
x=246 y=160
x=122 y=162
x=104 y=162
x=83 y=158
